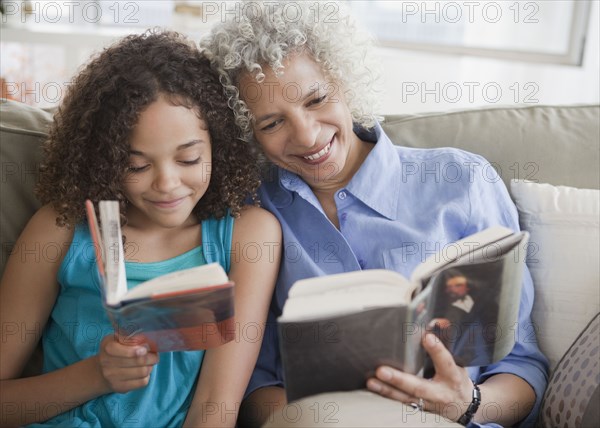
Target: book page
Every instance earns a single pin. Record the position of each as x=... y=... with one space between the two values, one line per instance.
x=476 y=302
x=194 y=278
x=466 y=250
x=345 y=293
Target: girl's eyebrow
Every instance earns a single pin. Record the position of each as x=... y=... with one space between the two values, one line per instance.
x=180 y=147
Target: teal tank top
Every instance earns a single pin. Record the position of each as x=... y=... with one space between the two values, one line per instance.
x=78 y=323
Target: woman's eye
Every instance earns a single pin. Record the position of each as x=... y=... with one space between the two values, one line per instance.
x=317 y=100
x=271 y=125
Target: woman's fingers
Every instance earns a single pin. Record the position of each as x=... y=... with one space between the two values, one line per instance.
x=442 y=359
x=446 y=394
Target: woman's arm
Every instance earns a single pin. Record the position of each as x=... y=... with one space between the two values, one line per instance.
x=28 y=292
x=261 y=406
x=226 y=370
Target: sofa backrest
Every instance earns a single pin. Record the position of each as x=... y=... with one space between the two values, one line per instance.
x=559 y=145
x=22 y=129
x=553 y=144
x=549 y=144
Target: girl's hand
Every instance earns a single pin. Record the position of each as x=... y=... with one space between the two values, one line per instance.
x=125 y=367
x=448 y=393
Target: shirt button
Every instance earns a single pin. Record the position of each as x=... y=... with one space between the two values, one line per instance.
x=342 y=195
x=344 y=215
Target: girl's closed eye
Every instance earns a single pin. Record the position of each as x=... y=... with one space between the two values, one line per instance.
x=191 y=162
x=137 y=168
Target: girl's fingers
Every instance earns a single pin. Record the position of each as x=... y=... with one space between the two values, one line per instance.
x=145 y=361
x=116 y=349
x=131 y=374
x=134 y=354
x=126 y=385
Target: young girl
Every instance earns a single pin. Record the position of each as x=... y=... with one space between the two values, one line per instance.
x=144 y=123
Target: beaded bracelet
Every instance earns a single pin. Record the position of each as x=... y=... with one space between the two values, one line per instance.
x=472 y=409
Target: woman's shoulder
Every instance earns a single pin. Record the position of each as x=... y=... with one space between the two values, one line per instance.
x=440 y=154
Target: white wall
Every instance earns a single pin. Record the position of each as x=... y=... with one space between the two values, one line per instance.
x=411 y=81
x=423 y=82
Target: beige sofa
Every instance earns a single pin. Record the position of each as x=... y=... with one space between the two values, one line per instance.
x=557 y=145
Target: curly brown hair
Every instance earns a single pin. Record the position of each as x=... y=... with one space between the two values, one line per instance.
x=87 y=150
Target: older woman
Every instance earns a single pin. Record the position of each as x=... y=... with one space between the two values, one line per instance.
x=296 y=78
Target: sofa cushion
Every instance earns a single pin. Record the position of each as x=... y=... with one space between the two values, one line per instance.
x=571 y=399
x=22 y=129
x=563 y=254
x=547 y=144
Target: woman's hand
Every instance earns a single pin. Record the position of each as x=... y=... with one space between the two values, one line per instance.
x=448 y=393
x=440 y=323
x=125 y=367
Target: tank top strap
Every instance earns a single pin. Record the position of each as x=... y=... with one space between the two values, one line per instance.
x=217 y=235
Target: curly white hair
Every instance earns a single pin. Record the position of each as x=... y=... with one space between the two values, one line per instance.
x=266 y=33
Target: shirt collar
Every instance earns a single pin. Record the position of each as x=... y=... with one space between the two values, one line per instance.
x=293 y=183
x=375 y=183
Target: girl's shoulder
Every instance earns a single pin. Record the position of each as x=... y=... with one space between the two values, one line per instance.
x=29 y=279
x=42 y=228
x=229 y=240
x=254 y=223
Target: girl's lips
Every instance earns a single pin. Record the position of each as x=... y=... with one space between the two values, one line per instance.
x=168 y=204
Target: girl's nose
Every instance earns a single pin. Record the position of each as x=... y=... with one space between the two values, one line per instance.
x=166 y=179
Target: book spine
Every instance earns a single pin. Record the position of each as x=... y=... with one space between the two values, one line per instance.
x=95 y=233
x=116 y=282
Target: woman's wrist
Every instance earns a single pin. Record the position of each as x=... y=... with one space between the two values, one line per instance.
x=473 y=406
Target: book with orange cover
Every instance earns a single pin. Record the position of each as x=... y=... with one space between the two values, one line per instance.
x=190 y=309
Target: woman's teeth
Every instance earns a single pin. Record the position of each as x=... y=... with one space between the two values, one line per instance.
x=320 y=154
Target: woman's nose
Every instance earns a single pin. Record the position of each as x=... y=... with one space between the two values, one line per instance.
x=305 y=130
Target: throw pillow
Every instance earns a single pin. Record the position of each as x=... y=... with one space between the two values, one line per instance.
x=571 y=399
x=563 y=255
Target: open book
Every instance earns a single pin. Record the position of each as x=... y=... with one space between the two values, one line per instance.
x=336 y=330
x=189 y=309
